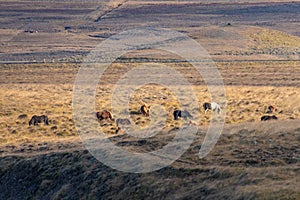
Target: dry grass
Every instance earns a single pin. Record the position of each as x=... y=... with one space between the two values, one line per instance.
x=32 y=100
x=244 y=103
x=268 y=38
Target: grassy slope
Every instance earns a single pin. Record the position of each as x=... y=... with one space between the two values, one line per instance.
x=260 y=162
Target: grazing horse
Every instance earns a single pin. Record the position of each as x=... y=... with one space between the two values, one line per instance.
x=104 y=115
x=266 y=118
x=35 y=120
x=123 y=121
x=211 y=106
x=145 y=110
x=270 y=109
x=182 y=114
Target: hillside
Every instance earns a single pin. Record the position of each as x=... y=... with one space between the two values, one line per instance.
x=259 y=162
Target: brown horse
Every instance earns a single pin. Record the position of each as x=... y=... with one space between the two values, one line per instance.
x=104 y=115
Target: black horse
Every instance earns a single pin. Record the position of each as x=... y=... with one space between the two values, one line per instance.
x=183 y=114
x=266 y=118
x=35 y=120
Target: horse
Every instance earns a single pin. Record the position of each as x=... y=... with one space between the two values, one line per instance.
x=104 y=115
x=35 y=120
x=182 y=114
x=211 y=106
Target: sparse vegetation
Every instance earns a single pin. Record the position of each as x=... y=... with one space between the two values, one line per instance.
x=256 y=48
x=247 y=144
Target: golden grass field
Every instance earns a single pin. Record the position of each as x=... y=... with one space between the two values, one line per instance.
x=47 y=89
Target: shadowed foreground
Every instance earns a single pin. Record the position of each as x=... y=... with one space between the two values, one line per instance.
x=252 y=163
